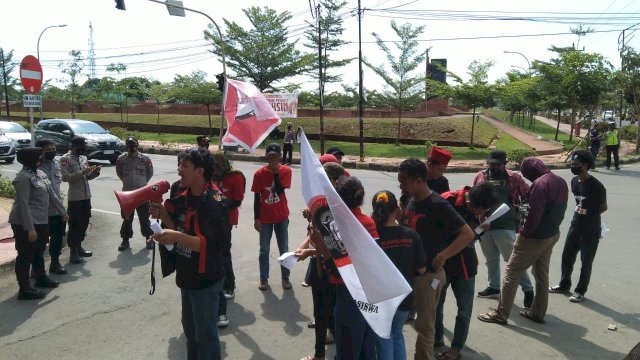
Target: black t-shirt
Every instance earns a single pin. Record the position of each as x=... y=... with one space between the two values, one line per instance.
x=589 y=195
x=436 y=221
x=439 y=185
x=595 y=134
x=404 y=248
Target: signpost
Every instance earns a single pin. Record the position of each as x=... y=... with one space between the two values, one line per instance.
x=31 y=79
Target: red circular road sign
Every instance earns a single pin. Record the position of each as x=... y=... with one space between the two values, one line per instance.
x=31 y=74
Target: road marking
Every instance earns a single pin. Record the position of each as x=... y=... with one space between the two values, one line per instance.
x=107 y=212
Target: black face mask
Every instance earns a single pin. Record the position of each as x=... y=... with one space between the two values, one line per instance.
x=80 y=151
x=576 y=170
x=132 y=149
x=49 y=155
x=497 y=173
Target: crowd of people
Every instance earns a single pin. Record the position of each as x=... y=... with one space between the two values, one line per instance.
x=430 y=233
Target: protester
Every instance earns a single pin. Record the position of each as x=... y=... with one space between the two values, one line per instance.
x=271 y=211
x=595 y=139
x=547 y=204
x=403 y=246
x=335 y=151
x=585 y=230
x=202 y=141
x=232 y=183
x=51 y=167
x=443 y=233
x=196 y=224
x=289 y=139
x=499 y=236
x=135 y=170
x=77 y=172
x=29 y=218
x=472 y=204
x=437 y=162
x=612 y=137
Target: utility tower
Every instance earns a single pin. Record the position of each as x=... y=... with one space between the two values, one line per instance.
x=92 y=54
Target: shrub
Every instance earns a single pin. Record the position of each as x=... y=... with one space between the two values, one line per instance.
x=629 y=132
x=517 y=155
x=123 y=133
x=6 y=187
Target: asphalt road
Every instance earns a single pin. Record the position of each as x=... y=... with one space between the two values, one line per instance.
x=102 y=310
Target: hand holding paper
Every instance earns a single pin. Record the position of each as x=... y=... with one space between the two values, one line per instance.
x=288 y=259
x=496 y=214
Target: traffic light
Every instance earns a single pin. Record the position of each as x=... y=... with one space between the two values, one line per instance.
x=221 y=81
x=120 y=5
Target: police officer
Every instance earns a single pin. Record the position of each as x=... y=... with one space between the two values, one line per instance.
x=134 y=170
x=612 y=136
x=28 y=218
x=51 y=167
x=77 y=172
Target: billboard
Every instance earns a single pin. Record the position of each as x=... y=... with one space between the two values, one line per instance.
x=285 y=105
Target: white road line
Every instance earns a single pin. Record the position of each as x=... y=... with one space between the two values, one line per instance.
x=108 y=212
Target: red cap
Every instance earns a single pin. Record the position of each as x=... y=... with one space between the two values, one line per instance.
x=440 y=155
x=326 y=158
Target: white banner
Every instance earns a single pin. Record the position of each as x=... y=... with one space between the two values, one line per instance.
x=285 y=105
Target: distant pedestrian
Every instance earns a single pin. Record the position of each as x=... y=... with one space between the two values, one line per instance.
x=584 y=234
x=29 y=221
x=595 y=139
x=202 y=141
x=135 y=170
x=612 y=137
x=77 y=172
x=271 y=211
x=289 y=140
x=51 y=167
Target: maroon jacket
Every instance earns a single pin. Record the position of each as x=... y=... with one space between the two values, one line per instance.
x=548 y=196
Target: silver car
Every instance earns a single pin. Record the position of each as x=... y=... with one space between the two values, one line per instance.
x=16 y=132
x=7 y=149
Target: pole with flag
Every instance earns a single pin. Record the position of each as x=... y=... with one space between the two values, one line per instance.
x=373 y=280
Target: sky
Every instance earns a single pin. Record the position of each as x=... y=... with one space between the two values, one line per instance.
x=159 y=46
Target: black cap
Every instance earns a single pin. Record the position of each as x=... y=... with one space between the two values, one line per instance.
x=78 y=140
x=29 y=156
x=497 y=157
x=203 y=138
x=132 y=139
x=335 y=150
x=273 y=148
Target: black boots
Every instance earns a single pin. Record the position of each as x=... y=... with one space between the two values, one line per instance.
x=30 y=294
x=45 y=282
x=74 y=257
x=124 y=245
x=84 y=253
x=56 y=268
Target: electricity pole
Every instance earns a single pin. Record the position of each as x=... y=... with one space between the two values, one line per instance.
x=4 y=75
x=360 y=100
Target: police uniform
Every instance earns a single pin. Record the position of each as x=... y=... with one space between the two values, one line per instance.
x=79 y=198
x=135 y=172
x=612 y=138
x=30 y=211
x=56 y=223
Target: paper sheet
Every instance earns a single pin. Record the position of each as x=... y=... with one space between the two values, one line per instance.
x=288 y=259
x=496 y=214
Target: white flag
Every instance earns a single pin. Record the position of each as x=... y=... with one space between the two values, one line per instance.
x=373 y=280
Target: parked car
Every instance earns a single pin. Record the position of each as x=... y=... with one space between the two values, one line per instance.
x=7 y=148
x=101 y=145
x=16 y=132
x=607 y=115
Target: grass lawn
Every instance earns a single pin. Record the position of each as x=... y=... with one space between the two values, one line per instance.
x=541 y=129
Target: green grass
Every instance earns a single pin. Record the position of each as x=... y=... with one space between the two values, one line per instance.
x=541 y=129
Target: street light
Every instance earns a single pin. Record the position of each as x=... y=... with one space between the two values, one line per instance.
x=39 y=37
x=178 y=5
x=521 y=54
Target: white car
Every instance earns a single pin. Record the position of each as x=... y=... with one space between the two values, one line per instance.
x=16 y=132
x=7 y=149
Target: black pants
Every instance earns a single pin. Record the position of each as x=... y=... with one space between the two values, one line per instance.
x=126 y=230
x=29 y=253
x=585 y=241
x=227 y=263
x=56 y=232
x=324 y=299
x=288 y=149
x=594 y=152
x=79 y=214
x=612 y=149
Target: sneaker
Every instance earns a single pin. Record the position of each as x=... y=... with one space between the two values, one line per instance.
x=557 y=290
x=223 y=321
x=286 y=284
x=264 y=285
x=489 y=293
x=576 y=297
x=229 y=294
x=528 y=299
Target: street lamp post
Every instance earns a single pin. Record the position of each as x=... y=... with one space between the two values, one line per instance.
x=224 y=63
x=521 y=54
x=38 y=56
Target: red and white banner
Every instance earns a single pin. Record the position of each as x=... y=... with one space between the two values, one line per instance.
x=249 y=115
x=373 y=280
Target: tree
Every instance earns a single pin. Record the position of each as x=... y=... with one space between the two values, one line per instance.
x=262 y=54
x=631 y=66
x=405 y=91
x=9 y=83
x=119 y=87
x=160 y=94
x=73 y=69
x=195 y=89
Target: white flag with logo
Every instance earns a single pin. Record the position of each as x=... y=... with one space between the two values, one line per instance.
x=372 y=279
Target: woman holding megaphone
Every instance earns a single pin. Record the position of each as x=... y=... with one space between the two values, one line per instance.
x=196 y=222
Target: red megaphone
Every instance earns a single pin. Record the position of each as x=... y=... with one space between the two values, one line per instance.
x=130 y=200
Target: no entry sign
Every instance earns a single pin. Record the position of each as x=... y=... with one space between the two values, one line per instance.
x=31 y=74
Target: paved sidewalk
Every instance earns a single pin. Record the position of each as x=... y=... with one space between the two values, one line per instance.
x=7 y=244
x=540 y=145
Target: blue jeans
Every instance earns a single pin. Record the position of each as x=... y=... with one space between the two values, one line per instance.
x=200 y=321
x=393 y=348
x=282 y=236
x=354 y=338
x=495 y=243
x=463 y=290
